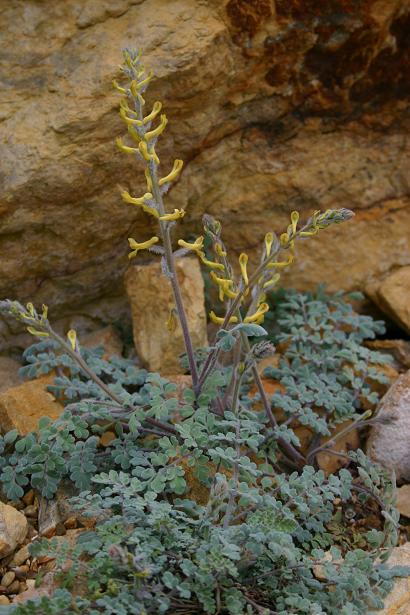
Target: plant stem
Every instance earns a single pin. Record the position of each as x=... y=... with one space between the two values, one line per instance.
x=169 y=257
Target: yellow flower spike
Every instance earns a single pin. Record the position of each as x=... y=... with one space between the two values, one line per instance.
x=118 y=87
x=268 y=243
x=243 y=262
x=33 y=331
x=158 y=130
x=144 y=245
x=294 y=216
x=176 y=169
x=196 y=246
x=72 y=338
x=125 y=148
x=218 y=320
x=178 y=213
x=262 y=309
x=149 y=180
x=272 y=281
x=210 y=264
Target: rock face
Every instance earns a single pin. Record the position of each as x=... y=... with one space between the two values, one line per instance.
x=388 y=441
x=272 y=105
x=152 y=301
x=13 y=529
x=22 y=407
x=398 y=601
x=392 y=295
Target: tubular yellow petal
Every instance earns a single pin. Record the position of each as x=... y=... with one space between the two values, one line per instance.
x=30 y=309
x=171 y=322
x=148 y=178
x=144 y=245
x=133 y=134
x=125 y=148
x=282 y=264
x=294 y=216
x=219 y=250
x=129 y=120
x=210 y=264
x=72 y=338
x=135 y=201
x=243 y=262
x=284 y=239
x=272 y=281
x=196 y=246
x=33 y=331
x=45 y=312
x=262 y=309
x=178 y=213
x=118 y=87
x=176 y=169
x=268 y=243
x=143 y=147
x=218 y=320
x=158 y=130
x=136 y=86
x=308 y=233
x=155 y=110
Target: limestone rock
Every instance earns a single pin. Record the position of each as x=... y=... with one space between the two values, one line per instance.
x=13 y=529
x=399 y=350
x=22 y=406
x=281 y=107
x=9 y=373
x=389 y=439
x=403 y=500
x=151 y=299
x=106 y=337
x=392 y=295
x=398 y=601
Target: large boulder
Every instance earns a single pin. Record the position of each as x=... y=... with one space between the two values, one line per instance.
x=273 y=106
x=389 y=437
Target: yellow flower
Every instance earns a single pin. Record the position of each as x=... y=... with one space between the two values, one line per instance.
x=33 y=331
x=176 y=169
x=282 y=264
x=141 y=202
x=225 y=287
x=148 y=178
x=144 y=245
x=219 y=250
x=268 y=243
x=148 y=155
x=178 y=213
x=272 y=281
x=218 y=320
x=210 y=264
x=294 y=216
x=125 y=148
x=197 y=245
x=243 y=261
x=135 y=87
x=118 y=87
x=258 y=315
x=72 y=338
x=158 y=130
x=171 y=322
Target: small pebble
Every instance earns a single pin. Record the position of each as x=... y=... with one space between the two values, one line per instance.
x=21 y=571
x=28 y=498
x=8 y=578
x=22 y=587
x=4 y=600
x=20 y=556
x=31 y=583
x=30 y=511
x=70 y=523
x=13 y=588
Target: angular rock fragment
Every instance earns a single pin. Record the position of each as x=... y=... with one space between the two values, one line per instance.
x=13 y=529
